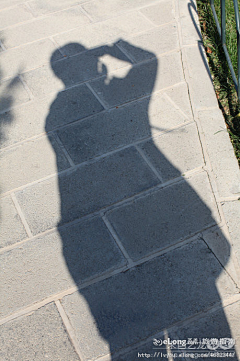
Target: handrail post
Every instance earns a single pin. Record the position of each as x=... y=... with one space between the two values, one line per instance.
x=236 y=11
x=223 y=22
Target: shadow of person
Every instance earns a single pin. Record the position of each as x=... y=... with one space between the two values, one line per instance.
x=129 y=216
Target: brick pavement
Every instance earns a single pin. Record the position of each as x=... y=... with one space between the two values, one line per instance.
x=119 y=185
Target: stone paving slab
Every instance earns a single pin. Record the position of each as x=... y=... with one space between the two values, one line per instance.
x=38 y=336
x=140 y=80
x=174 y=153
x=136 y=88
x=199 y=77
x=46 y=7
x=13 y=16
x=7 y=3
x=86 y=189
x=163 y=218
x=55 y=262
x=161 y=13
x=154 y=42
x=29 y=56
x=190 y=28
x=147 y=299
x=214 y=326
x=179 y=95
x=44 y=27
x=119 y=127
x=231 y=211
x=225 y=167
x=12 y=229
x=72 y=71
x=99 y=11
x=218 y=241
x=46 y=114
x=12 y=93
x=102 y=33
x=211 y=326
x=30 y=161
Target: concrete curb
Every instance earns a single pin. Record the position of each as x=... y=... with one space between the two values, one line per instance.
x=221 y=162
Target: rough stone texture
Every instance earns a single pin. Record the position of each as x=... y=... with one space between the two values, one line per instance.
x=7 y=3
x=179 y=95
x=86 y=189
x=222 y=246
x=11 y=229
x=99 y=10
x=149 y=298
x=149 y=350
x=40 y=7
x=55 y=262
x=119 y=127
x=190 y=28
x=220 y=151
x=44 y=27
x=102 y=33
x=47 y=114
x=232 y=211
x=152 y=43
x=199 y=77
x=38 y=336
x=100 y=42
x=12 y=92
x=214 y=325
x=13 y=16
x=163 y=218
x=161 y=13
x=175 y=153
x=28 y=57
x=74 y=70
x=29 y=162
x=140 y=80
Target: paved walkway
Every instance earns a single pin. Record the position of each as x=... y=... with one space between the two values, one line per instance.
x=119 y=186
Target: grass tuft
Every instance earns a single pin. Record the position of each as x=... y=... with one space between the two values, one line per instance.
x=221 y=75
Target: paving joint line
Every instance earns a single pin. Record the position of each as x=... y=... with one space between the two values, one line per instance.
x=104 y=111
x=13 y=6
x=34 y=14
x=222 y=265
x=64 y=150
x=58 y=47
x=70 y=169
x=21 y=215
x=101 y=101
x=97 y=278
x=26 y=87
x=86 y=13
x=209 y=170
x=174 y=327
x=83 y=219
x=127 y=12
x=73 y=29
x=65 y=58
x=69 y=328
x=126 y=53
x=149 y=163
x=117 y=240
x=176 y=106
x=58 y=296
x=40 y=17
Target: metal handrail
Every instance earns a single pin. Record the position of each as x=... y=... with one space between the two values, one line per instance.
x=222 y=34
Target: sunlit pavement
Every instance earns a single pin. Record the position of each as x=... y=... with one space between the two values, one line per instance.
x=119 y=186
